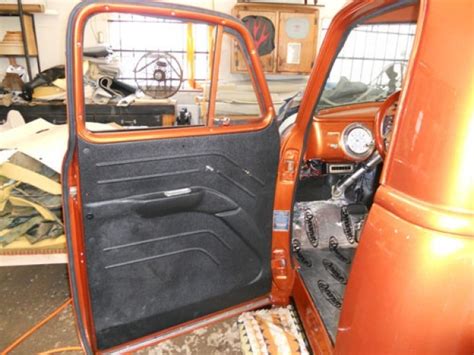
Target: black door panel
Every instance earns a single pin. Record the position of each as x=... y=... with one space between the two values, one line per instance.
x=176 y=229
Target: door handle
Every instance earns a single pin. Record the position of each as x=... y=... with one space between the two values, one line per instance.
x=178 y=192
x=172 y=201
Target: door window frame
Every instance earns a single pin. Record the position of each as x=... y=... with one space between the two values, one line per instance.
x=224 y=24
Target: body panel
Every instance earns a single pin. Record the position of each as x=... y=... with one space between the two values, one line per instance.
x=410 y=291
x=437 y=106
x=411 y=286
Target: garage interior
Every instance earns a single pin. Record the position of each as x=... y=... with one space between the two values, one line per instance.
x=120 y=94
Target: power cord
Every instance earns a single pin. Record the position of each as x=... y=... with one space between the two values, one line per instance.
x=37 y=326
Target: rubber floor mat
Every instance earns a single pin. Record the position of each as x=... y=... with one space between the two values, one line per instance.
x=274 y=331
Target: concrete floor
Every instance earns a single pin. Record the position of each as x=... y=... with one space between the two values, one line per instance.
x=30 y=293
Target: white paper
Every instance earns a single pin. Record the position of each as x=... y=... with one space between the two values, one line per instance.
x=6 y=154
x=44 y=141
x=293 y=53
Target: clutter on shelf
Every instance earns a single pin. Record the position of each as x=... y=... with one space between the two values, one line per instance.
x=101 y=69
x=102 y=86
x=12 y=84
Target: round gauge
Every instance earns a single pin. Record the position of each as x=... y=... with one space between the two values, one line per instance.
x=358 y=141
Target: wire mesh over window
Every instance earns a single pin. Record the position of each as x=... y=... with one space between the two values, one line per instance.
x=370 y=48
x=371 y=65
x=131 y=36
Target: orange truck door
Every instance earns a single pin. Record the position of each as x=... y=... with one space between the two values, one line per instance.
x=168 y=229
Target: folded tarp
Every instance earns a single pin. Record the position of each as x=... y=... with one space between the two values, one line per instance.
x=30 y=200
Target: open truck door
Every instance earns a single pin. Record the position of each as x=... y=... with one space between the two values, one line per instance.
x=168 y=228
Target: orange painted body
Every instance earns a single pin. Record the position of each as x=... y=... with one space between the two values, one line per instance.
x=411 y=288
x=324 y=139
x=410 y=291
x=411 y=284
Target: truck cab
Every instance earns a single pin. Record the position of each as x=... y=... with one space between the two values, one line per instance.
x=357 y=209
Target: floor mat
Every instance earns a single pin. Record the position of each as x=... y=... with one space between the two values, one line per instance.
x=273 y=331
x=325 y=252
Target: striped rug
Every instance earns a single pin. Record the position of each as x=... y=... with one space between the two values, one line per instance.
x=274 y=331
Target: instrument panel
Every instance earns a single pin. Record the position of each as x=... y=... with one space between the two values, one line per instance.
x=343 y=134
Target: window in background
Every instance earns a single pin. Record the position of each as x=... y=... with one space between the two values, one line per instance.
x=132 y=36
x=148 y=73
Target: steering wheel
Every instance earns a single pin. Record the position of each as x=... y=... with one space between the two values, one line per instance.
x=384 y=123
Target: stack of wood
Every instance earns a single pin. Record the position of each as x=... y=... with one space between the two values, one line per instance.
x=12 y=42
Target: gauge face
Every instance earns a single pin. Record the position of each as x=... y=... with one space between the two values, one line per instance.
x=358 y=141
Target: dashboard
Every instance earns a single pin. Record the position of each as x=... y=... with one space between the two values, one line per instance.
x=343 y=134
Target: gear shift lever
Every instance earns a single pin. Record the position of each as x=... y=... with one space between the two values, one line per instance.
x=338 y=191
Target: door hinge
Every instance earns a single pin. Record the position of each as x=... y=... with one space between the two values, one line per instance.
x=279 y=264
x=290 y=165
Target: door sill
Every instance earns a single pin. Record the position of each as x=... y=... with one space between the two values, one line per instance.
x=188 y=327
x=313 y=326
